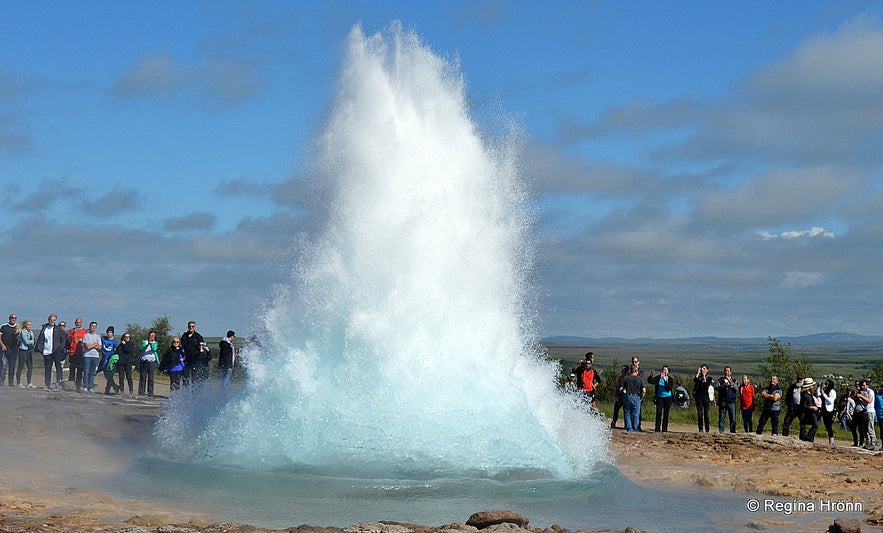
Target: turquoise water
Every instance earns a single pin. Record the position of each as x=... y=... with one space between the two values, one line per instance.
x=605 y=500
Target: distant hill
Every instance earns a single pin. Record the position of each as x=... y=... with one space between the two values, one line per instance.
x=816 y=339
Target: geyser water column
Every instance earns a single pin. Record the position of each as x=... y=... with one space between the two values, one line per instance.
x=403 y=345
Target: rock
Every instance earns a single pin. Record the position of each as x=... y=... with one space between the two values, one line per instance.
x=376 y=527
x=455 y=528
x=505 y=527
x=845 y=525
x=484 y=519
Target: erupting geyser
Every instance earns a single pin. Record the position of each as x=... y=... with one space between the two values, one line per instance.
x=403 y=346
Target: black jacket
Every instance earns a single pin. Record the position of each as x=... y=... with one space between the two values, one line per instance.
x=58 y=340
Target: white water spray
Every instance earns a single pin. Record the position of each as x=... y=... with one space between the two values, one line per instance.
x=403 y=345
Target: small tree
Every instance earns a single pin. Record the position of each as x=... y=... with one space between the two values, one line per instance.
x=161 y=325
x=609 y=378
x=875 y=372
x=783 y=362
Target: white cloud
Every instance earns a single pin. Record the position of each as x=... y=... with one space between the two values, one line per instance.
x=790 y=235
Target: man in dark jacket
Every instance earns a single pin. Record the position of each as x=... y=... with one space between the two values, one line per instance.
x=726 y=400
x=792 y=404
x=51 y=345
x=227 y=357
x=192 y=342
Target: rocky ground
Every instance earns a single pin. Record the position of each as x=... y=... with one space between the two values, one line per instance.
x=52 y=441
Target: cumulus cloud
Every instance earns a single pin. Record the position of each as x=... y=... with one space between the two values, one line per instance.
x=728 y=205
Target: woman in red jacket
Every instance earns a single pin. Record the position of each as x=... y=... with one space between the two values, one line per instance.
x=746 y=397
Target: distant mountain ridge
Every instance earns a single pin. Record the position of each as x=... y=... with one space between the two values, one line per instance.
x=815 y=339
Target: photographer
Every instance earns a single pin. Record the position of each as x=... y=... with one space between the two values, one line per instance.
x=726 y=399
x=662 y=399
x=702 y=384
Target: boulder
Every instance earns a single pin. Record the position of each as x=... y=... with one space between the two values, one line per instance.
x=845 y=525
x=484 y=519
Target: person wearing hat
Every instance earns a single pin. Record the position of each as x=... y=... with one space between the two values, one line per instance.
x=809 y=411
x=570 y=386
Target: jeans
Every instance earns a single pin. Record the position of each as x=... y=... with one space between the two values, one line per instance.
x=2 y=366
x=723 y=410
x=228 y=374
x=632 y=412
x=90 y=367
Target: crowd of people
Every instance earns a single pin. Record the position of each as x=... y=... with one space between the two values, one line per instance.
x=858 y=409
x=89 y=353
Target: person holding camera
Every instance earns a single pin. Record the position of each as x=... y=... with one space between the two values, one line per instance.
x=662 y=398
x=702 y=384
x=726 y=400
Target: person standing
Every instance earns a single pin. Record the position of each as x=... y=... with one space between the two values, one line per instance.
x=587 y=377
x=26 y=341
x=662 y=398
x=50 y=344
x=126 y=351
x=809 y=409
x=147 y=362
x=633 y=387
x=91 y=355
x=174 y=362
x=227 y=357
x=75 y=353
x=828 y=394
x=109 y=350
x=792 y=404
x=746 y=398
x=9 y=343
x=866 y=397
x=771 y=396
x=192 y=343
x=726 y=399
x=702 y=383
x=618 y=396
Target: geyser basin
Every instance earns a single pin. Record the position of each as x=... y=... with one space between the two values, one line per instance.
x=403 y=346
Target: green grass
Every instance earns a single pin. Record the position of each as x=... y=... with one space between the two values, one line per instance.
x=690 y=418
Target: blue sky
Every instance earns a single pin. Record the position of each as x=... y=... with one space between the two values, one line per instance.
x=697 y=168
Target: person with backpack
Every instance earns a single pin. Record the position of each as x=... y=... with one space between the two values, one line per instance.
x=682 y=397
x=792 y=404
